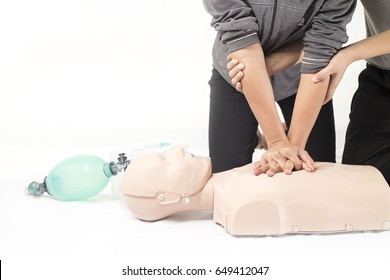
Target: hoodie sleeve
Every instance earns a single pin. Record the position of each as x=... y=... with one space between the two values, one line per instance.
x=327 y=34
x=234 y=21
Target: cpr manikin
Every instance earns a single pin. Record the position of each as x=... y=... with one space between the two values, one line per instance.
x=334 y=198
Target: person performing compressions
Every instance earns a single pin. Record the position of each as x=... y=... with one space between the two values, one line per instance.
x=368 y=135
x=268 y=36
x=335 y=198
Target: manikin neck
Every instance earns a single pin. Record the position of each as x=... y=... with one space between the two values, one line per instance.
x=204 y=199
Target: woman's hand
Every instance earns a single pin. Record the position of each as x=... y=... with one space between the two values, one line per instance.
x=283 y=157
x=335 y=70
x=236 y=72
x=370 y=47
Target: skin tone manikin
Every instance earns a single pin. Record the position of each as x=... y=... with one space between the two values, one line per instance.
x=334 y=198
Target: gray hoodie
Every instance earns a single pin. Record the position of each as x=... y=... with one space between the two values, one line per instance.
x=274 y=23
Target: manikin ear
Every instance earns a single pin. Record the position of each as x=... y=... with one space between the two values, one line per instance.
x=163 y=197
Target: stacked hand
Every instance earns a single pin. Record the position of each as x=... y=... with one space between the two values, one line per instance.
x=283 y=157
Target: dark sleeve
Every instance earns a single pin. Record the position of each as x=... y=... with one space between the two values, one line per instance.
x=234 y=21
x=327 y=34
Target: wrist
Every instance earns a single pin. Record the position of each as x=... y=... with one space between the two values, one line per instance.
x=348 y=55
x=276 y=141
x=297 y=141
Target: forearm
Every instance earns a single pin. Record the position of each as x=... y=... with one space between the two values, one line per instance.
x=308 y=103
x=257 y=89
x=284 y=57
x=369 y=47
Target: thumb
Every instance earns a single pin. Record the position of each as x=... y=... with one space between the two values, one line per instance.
x=307 y=159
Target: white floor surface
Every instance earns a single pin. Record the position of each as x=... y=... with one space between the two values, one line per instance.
x=42 y=238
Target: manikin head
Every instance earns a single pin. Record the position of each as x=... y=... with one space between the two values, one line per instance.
x=157 y=185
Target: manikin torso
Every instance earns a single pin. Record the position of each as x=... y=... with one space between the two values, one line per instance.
x=334 y=198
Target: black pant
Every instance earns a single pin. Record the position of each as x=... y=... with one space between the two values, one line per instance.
x=368 y=135
x=233 y=127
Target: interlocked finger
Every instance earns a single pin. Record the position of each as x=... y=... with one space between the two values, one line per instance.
x=288 y=167
x=274 y=168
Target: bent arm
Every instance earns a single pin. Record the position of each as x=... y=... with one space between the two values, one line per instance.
x=367 y=48
x=327 y=34
x=284 y=57
x=370 y=47
x=364 y=49
x=275 y=62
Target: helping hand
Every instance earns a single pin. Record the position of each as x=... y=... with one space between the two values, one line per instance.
x=236 y=72
x=335 y=70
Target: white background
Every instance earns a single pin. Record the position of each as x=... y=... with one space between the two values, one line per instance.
x=100 y=72
x=93 y=76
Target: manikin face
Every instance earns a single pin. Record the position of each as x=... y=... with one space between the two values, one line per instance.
x=164 y=179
